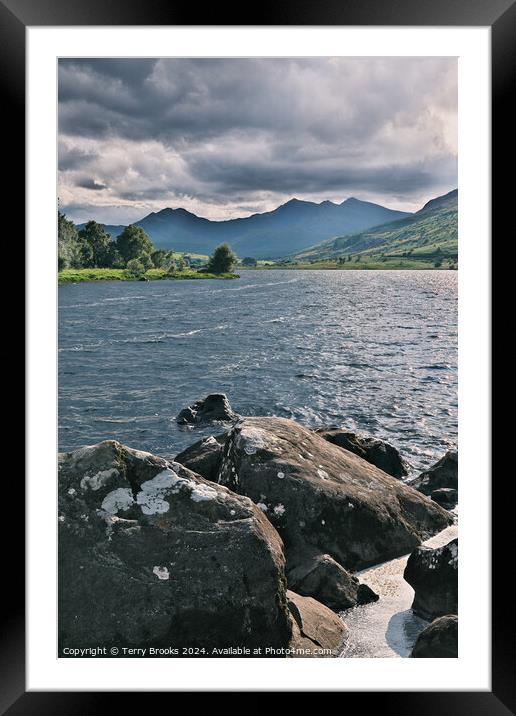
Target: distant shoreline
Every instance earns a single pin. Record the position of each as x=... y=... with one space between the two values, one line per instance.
x=354 y=266
x=68 y=276
x=102 y=274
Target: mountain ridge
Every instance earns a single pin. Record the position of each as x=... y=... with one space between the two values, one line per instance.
x=290 y=227
x=430 y=233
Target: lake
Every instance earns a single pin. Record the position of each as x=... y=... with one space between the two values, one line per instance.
x=373 y=350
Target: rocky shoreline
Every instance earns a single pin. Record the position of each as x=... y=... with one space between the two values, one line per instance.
x=248 y=540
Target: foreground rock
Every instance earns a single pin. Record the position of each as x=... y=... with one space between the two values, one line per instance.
x=204 y=457
x=447 y=497
x=443 y=474
x=374 y=450
x=320 y=576
x=152 y=554
x=315 y=628
x=215 y=408
x=322 y=498
x=311 y=574
x=432 y=573
x=439 y=640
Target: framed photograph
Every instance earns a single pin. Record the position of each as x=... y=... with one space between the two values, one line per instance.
x=258 y=261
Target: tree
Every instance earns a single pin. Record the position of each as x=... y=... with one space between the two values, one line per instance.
x=145 y=261
x=181 y=264
x=133 y=242
x=159 y=257
x=85 y=254
x=135 y=267
x=95 y=236
x=68 y=250
x=249 y=261
x=114 y=257
x=222 y=260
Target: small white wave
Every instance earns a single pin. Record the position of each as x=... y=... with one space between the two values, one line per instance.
x=279 y=319
x=254 y=285
x=80 y=347
x=123 y=299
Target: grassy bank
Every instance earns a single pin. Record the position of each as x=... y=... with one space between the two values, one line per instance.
x=104 y=274
x=383 y=265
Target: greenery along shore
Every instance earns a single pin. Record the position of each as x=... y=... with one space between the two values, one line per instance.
x=424 y=240
x=92 y=255
x=107 y=274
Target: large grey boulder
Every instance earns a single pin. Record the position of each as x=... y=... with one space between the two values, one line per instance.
x=447 y=497
x=320 y=576
x=204 y=456
x=432 y=573
x=376 y=451
x=151 y=553
x=439 y=640
x=322 y=497
x=317 y=631
x=215 y=408
x=310 y=574
x=443 y=474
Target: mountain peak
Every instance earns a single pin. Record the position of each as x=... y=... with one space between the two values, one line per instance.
x=289 y=228
x=168 y=211
x=449 y=198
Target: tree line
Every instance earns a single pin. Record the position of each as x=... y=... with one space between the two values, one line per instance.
x=93 y=247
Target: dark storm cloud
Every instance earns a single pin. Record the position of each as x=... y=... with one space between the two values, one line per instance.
x=288 y=177
x=90 y=184
x=238 y=133
x=74 y=158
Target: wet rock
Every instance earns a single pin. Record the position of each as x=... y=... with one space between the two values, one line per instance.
x=315 y=627
x=439 y=640
x=215 y=408
x=320 y=576
x=152 y=554
x=432 y=573
x=322 y=498
x=376 y=451
x=447 y=497
x=443 y=474
x=204 y=456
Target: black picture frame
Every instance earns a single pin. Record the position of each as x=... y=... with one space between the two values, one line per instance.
x=500 y=15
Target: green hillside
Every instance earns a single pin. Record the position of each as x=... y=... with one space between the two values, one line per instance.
x=427 y=237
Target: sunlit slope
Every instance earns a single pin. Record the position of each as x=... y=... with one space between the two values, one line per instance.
x=429 y=235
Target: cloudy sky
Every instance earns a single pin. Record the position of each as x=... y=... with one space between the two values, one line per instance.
x=229 y=137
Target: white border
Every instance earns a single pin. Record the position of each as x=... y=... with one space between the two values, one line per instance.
x=471 y=671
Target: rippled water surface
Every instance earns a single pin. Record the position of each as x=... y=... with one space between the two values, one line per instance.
x=374 y=350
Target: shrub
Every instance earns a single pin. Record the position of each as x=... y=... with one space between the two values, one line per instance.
x=222 y=260
x=135 y=267
x=145 y=261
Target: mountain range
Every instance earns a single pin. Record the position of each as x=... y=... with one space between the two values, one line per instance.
x=288 y=229
x=428 y=234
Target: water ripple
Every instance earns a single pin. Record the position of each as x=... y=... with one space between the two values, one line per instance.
x=376 y=351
